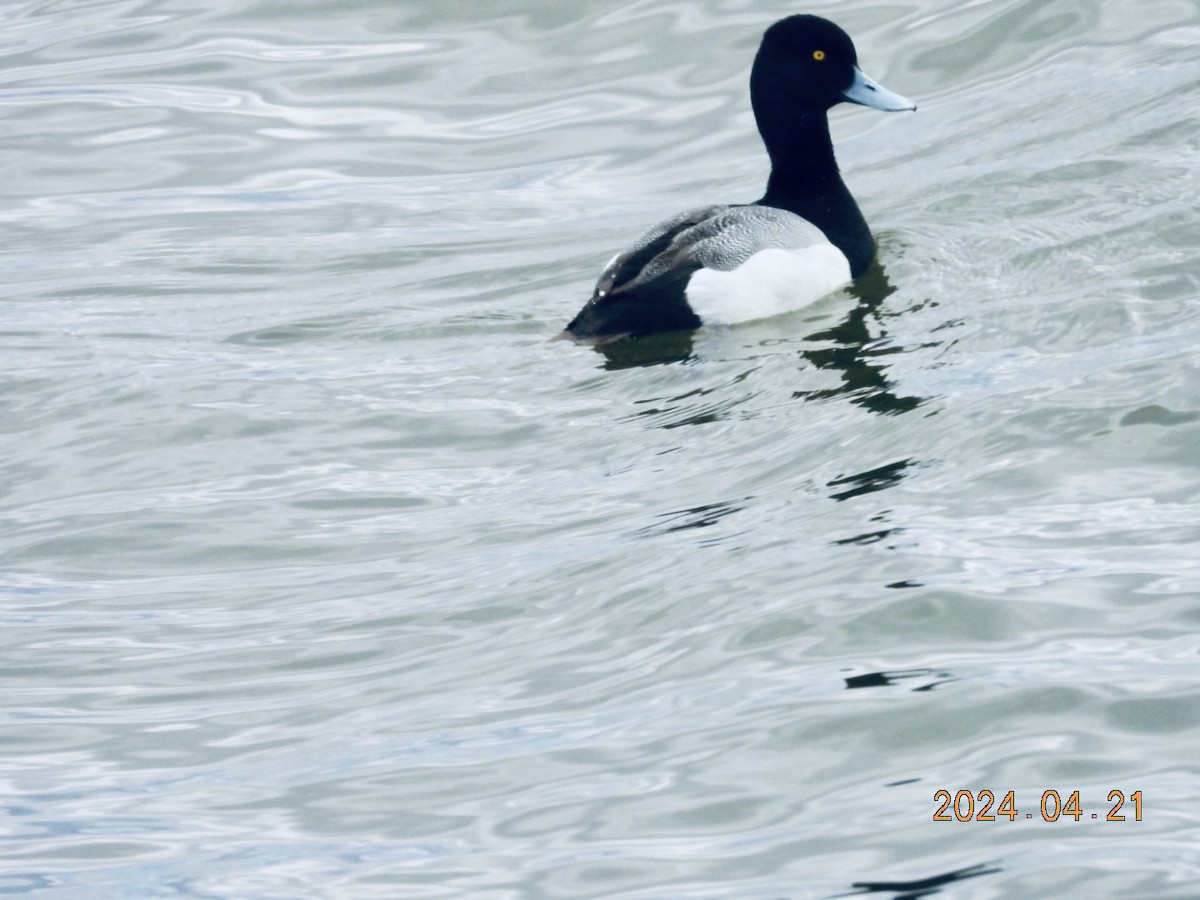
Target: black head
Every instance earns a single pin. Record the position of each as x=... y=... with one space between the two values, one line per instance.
x=804 y=61
x=804 y=66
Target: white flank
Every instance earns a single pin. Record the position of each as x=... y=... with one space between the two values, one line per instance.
x=769 y=283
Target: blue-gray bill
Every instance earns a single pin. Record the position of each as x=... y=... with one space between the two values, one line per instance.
x=865 y=90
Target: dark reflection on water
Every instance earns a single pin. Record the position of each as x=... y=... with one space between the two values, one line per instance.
x=872 y=480
x=695 y=517
x=851 y=349
x=869 y=537
x=856 y=353
x=653 y=350
x=923 y=887
x=930 y=679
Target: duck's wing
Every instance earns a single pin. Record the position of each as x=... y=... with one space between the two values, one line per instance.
x=711 y=237
x=729 y=238
x=647 y=253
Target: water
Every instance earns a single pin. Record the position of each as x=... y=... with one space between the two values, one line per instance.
x=323 y=574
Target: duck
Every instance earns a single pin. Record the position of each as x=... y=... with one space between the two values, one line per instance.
x=802 y=240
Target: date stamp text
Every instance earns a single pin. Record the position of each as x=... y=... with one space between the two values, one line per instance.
x=981 y=806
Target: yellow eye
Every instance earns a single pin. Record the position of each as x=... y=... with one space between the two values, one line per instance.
x=819 y=55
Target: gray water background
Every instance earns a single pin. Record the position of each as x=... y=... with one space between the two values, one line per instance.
x=324 y=574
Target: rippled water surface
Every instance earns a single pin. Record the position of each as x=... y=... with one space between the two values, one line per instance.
x=324 y=574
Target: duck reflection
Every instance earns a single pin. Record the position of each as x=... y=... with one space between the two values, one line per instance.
x=870 y=481
x=929 y=679
x=921 y=887
x=849 y=348
x=857 y=354
x=652 y=350
x=703 y=516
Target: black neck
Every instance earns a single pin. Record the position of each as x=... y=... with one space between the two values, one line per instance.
x=805 y=180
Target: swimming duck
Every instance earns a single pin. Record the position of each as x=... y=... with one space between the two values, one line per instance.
x=804 y=238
